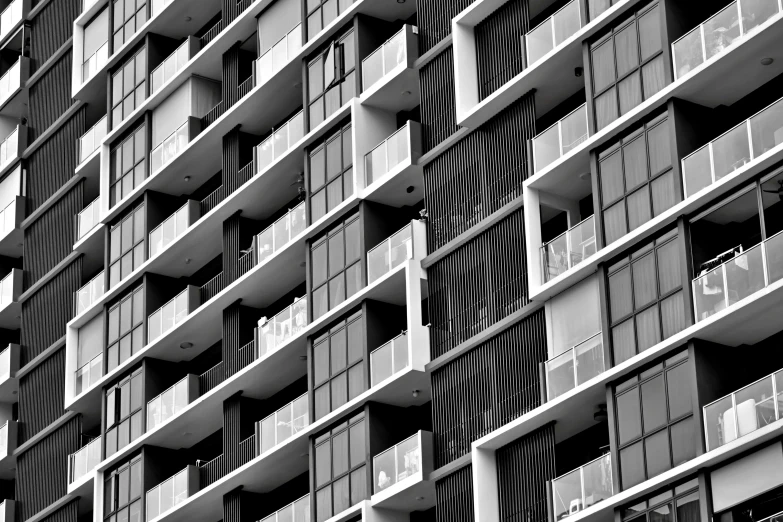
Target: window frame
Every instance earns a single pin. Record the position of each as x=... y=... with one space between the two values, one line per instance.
x=309 y=12
x=138 y=248
x=115 y=404
x=346 y=173
x=139 y=134
x=113 y=478
x=342 y=75
x=324 y=241
x=134 y=326
x=143 y=9
x=678 y=492
x=140 y=82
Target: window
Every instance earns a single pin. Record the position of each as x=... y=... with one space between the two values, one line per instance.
x=646 y=302
x=128 y=87
x=655 y=426
x=340 y=468
x=129 y=16
x=627 y=65
x=331 y=173
x=122 y=493
x=123 y=413
x=597 y=7
x=126 y=332
x=126 y=242
x=680 y=504
x=336 y=267
x=636 y=178
x=330 y=79
x=338 y=365
x=320 y=13
x=128 y=165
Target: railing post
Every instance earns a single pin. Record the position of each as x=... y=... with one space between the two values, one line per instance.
x=750 y=139
x=736 y=417
x=703 y=44
x=741 y=22
x=725 y=285
x=764 y=263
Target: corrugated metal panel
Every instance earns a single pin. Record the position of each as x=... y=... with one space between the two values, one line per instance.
x=434 y=20
x=524 y=468
x=41 y=396
x=438 y=109
x=478 y=284
x=67 y=513
x=479 y=174
x=232 y=506
x=498 y=45
x=487 y=387
x=53 y=164
x=454 y=497
x=50 y=97
x=50 y=29
x=232 y=436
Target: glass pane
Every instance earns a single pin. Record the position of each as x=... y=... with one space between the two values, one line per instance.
x=629 y=416
x=632 y=465
x=744 y=275
x=656 y=448
x=719 y=423
x=574 y=129
x=683 y=442
x=653 y=404
x=721 y=31
x=603 y=66
x=546 y=148
x=567 y=493
x=597 y=476
x=627 y=55
x=756 y=12
x=709 y=294
x=688 y=53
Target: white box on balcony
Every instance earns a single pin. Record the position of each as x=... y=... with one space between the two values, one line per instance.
x=409 y=491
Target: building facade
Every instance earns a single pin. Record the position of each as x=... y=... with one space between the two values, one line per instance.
x=503 y=276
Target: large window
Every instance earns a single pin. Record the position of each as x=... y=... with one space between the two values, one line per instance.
x=338 y=365
x=122 y=493
x=336 y=266
x=330 y=79
x=627 y=65
x=636 y=178
x=129 y=16
x=320 y=13
x=655 y=426
x=126 y=328
x=128 y=165
x=126 y=246
x=678 y=504
x=123 y=413
x=340 y=468
x=128 y=87
x=331 y=173
x=646 y=302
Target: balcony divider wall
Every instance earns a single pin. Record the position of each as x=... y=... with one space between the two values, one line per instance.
x=499 y=53
x=454 y=497
x=438 y=105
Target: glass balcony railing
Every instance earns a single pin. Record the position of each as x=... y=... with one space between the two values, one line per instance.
x=9 y=148
x=585 y=486
x=744 y=411
x=165 y=233
x=390 y=254
x=389 y=359
x=282 y=327
x=279 y=55
x=284 y=423
x=391 y=152
x=8 y=218
x=167 y=494
x=5 y=363
x=169 y=148
x=88 y=374
x=11 y=16
x=552 y=32
x=4 y=440
x=568 y=249
x=84 y=460
x=281 y=232
x=575 y=366
x=167 y=316
x=392 y=53
x=90 y=293
x=168 y=404
x=88 y=218
x=396 y=463
x=728 y=152
x=719 y=32
x=95 y=62
x=91 y=140
x=170 y=66
x=10 y=81
x=7 y=290
x=560 y=139
x=280 y=141
x=298 y=511
x=157 y=7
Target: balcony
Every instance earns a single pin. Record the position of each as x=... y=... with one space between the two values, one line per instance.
x=11 y=17
x=568 y=249
x=575 y=366
x=283 y=424
x=8 y=439
x=552 y=32
x=173 y=145
x=172 y=65
x=11 y=237
x=173 y=227
x=390 y=254
x=281 y=232
x=84 y=460
x=721 y=31
x=755 y=137
x=7 y=511
x=560 y=139
x=284 y=326
x=298 y=511
x=401 y=473
x=172 y=313
x=389 y=359
x=9 y=365
x=166 y=495
x=96 y=62
x=88 y=218
x=172 y=401
x=88 y=374
x=583 y=487
x=10 y=309
x=744 y=411
x=282 y=139
x=89 y=293
x=279 y=55
x=389 y=80
x=10 y=148
x=400 y=149
x=91 y=140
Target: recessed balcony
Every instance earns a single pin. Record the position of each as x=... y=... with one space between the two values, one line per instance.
x=390 y=168
x=172 y=401
x=278 y=56
x=173 y=145
x=169 y=68
x=575 y=366
x=552 y=32
x=165 y=496
x=82 y=462
x=582 y=488
x=389 y=80
x=287 y=324
x=282 y=139
x=9 y=365
x=8 y=444
x=11 y=236
x=95 y=62
x=172 y=313
x=560 y=139
x=10 y=308
x=401 y=475
x=568 y=249
x=283 y=424
x=173 y=227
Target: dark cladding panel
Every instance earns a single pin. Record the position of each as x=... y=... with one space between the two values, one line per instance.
x=50 y=29
x=498 y=49
x=434 y=20
x=454 y=497
x=438 y=108
x=41 y=396
x=50 y=97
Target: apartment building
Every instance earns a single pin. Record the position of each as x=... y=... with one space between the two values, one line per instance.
x=391 y=261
